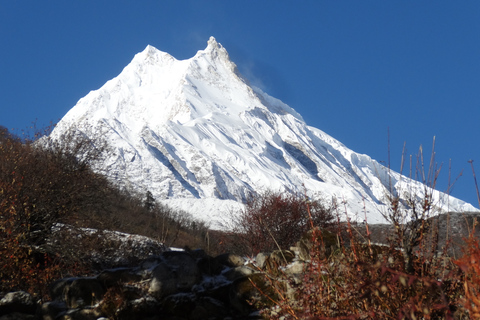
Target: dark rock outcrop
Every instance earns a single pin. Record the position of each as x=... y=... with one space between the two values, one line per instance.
x=189 y=285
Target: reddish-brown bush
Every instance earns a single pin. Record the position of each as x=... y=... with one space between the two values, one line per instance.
x=47 y=184
x=38 y=188
x=470 y=265
x=277 y=220
x=22 y=266
x=365 y=282
x=412 y=278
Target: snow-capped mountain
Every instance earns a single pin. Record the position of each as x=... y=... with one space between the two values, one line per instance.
x=199 y=137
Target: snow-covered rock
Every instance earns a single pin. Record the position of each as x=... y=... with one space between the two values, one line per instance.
x=199 y=137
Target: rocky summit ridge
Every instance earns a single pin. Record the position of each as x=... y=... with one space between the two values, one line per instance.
x=200 y=138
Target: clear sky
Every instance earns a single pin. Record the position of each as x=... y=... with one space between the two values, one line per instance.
x=354 y=69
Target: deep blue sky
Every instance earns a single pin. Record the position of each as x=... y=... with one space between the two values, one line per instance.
x=354 y=69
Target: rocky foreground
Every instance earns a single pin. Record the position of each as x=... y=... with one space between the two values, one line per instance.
x=192 y=285
x=174 y=285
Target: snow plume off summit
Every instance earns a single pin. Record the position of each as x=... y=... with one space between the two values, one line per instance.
x=199 y=137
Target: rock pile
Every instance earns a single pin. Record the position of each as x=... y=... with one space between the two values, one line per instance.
x=175 y=285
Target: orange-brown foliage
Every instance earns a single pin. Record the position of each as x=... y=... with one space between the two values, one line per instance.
x=277 y=220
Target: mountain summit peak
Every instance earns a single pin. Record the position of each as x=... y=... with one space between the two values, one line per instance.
x=213 y=47
x=212 y=42
x=215 y=52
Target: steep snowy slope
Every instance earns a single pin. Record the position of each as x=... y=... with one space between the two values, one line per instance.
x=200 y=137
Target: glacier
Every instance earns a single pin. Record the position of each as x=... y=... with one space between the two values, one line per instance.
x=201 y=138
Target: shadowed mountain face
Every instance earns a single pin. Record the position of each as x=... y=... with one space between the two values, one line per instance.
x=197 y=136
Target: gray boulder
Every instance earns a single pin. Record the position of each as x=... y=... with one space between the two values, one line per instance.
x=184 y=268
x=318 y=237
x=295 y=271
x=52 y=310
x=261 y=259
x=58 y=288
x=178 y=272
x=239 y=272
x=163 y=281
x=230 y=260
x=18 y=301
x=246 y=291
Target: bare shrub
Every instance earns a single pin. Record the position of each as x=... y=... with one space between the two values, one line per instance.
x=39 y=187
x=53 y=185
x=470 y=265
x=364 y=281
x=409 y=279
x=47 y=184
x=275 y=220
x=411 y=211
x=22 y=267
